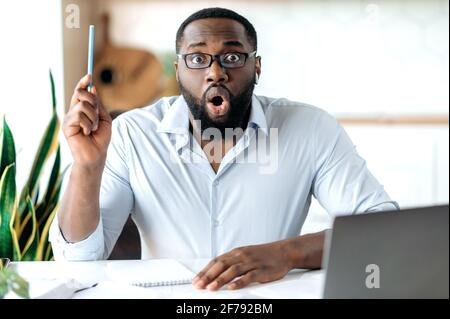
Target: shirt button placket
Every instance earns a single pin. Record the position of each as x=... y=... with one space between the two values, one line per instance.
x=213 y=217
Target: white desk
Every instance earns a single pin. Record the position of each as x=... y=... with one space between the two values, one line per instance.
x=61 y=279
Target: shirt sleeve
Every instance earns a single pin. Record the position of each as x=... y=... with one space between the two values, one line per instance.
x=116 y=203
x=90 y=248
x=342 y=182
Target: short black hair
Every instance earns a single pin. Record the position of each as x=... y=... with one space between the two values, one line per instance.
x=217 y=13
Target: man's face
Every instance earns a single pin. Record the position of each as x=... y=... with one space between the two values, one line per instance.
x=218 y=97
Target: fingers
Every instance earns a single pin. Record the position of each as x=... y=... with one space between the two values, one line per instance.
x=204 y=277
x=258 y=263
x=251 y=276
x=81 y=85
x=214 y=268
x=83 y=95
x=82 y=115
x=220 y=271
x=83 y=100
x=219 y=275
x=84 y=82
x=205 y=270
x=228 y=275
x=103 y=114
x=80 y=120
x=87 y=109
x=85 y=124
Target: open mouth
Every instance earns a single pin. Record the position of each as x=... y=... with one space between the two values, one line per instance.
x=217 y=101
x=217 y=105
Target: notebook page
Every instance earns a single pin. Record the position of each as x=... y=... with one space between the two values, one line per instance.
x=147 y=273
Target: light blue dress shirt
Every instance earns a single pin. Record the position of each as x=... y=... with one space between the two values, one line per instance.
x=158 y=173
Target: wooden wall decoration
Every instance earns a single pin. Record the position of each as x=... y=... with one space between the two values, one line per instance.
x=126 y=78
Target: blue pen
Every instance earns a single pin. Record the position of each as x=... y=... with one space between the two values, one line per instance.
x=91 y=66
x=91 y=55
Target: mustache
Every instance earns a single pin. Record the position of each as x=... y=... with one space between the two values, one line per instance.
x=215 y=86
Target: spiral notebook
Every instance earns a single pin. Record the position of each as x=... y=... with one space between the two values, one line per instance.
x=149 y=273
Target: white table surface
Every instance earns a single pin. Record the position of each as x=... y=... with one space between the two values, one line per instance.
x=62 y=279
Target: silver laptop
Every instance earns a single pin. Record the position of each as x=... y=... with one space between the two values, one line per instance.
x=392 y=254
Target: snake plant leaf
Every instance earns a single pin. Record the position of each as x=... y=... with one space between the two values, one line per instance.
x=44 y=208
x=48 y=252
x=7 y=147
x=17 y=255
x=36 y=196
x=4 y=262
x=46 y=147
x=25 y=220
x=52 y=202
x=48 y=202
x=7 y=206
x=44 y=249
x=52 y=182
x=29 y=252
x=25 y=227
x=43 y=242
x=52 y=84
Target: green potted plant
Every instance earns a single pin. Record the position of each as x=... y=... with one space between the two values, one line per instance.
x=11 y=281
x=25 y=220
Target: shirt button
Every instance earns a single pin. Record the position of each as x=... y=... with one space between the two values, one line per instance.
x=215 y=183
x=216 y=223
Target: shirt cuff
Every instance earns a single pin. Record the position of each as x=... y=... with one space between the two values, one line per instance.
x=90 y=248
x=385 y=206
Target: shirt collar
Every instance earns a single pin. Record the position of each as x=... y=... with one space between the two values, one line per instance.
x=257 y=116
x=176 y=118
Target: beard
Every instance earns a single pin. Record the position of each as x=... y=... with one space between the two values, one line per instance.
x=237 y=115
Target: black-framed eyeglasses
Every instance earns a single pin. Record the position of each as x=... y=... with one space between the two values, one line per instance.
x=230 y=60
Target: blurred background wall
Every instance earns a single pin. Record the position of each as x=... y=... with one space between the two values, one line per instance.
x=381 y=67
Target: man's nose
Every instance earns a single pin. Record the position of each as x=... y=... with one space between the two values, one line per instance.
x=216 y=73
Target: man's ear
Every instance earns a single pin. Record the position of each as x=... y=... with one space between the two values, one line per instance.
x=258 y=65
x=175 y=65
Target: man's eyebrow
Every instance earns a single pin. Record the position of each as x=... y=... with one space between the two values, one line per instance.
x=233 y=43
x=196 y=44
